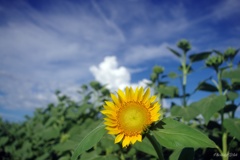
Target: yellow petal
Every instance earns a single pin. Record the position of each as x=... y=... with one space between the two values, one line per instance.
x=155 y=109
x=139 y=138
x=110 y=116
x=106 y=107
x=121 y=95
x=119 y=138
x=133 y=139
x=146 y=95
x=110 y=104
x=127 y=93
x=105 y=112
x=113 y=130
x=108 y=123
x=140 y=93
x=155 y=117
x=109 y=119
x=126 y=141
x=135 y=96
x=147 y=104
x=131 y=93
x=115 y=99
x=153 y=98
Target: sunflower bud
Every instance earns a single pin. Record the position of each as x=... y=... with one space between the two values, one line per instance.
x=214 y=61
x=158 y=70
x=184 y=45
x=230 y=53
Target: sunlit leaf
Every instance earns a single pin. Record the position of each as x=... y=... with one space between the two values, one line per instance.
x=232 y=74
x=209 y=105
x=146 y=147
x=175 y=135
x=187 y=113
x=233 y=127
x=89 y=140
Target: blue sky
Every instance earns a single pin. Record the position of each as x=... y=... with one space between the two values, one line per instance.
x=49 y=45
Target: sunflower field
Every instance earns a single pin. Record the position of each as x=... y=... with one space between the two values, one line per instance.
x=134 y=124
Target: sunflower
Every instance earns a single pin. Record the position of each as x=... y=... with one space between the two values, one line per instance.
x=130 y=114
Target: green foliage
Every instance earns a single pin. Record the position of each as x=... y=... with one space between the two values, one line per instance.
x=89 y=140
x=198 y=130
x=175 y=135
x=209 y=105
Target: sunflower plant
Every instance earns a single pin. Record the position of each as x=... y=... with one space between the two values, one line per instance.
x=133 y=115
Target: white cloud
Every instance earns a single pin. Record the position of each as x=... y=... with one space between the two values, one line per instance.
x=109 y=73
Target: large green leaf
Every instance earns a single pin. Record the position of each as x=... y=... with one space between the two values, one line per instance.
x=65 y=146
x=175 y=135
x=209 y=105
x=89 y=141
x=146 y=147
x=233 y=127
x=199 y=56
x=187 y=113
x=176 y=153
x=232 y=74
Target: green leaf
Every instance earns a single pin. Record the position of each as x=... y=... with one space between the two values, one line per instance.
x=199 y=56
x=89 y=141
x=146 y=147
x=209 y=105
x=176 y=153
x=232 y=74
x=50 y=133
x=172 y=75
x=174 y=52
x=3 y=140
x=176 y=135
x=84 y=107
x=232 y=95
x=65 y=146
x=233 y=127
x=168 y=90
x=187 y=113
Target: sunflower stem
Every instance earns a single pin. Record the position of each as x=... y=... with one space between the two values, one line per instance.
x=156 y=145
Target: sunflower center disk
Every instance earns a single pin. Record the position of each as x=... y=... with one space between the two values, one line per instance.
x=133 y=118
